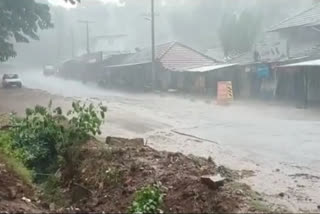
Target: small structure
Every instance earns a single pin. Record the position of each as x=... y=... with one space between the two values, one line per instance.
x=293 y=40
x=85 y=68
x=297 y=74
x=305 y=86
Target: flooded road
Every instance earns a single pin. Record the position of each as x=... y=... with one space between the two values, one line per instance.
x=279 y=143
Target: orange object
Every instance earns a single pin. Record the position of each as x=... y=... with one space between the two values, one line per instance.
x=225 y=92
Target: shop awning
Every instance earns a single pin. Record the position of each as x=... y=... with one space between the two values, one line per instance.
x=310 y=63
x=210 y=68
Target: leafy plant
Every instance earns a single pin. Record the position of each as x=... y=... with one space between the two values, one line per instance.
x=148 y=200
x=37 y=135
x=85 y=120
x=44 y=135
x=6 y=146
x=12 y=158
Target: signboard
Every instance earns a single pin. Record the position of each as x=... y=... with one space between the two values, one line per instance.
x=272 y=51
x=225 y=92
x=263 y=71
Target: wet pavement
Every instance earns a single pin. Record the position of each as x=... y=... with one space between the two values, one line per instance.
x=279 y=143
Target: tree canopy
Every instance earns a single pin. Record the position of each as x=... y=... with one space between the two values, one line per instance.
x=238 y=33
x=20 y=21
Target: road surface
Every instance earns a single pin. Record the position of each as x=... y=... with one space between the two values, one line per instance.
x=279 y=143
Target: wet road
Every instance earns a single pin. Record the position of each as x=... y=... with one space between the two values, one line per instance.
x=280 y=143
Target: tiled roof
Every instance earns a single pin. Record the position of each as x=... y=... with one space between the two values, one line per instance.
x=173 y=56
x=180 y=57
x=309 y=17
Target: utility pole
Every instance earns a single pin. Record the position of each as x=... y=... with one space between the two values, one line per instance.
x=86 y=22
x=153 y=46
x=72 y=43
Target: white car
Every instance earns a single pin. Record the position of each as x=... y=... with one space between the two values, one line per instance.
x=11 y=80
x=49 y=70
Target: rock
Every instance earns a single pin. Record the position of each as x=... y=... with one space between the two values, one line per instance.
x=12 y=193
x=26 y=199
x=277 y=170
x=281 y=194
x=52 y=207
x=204 y=170
x=101 y=186
x=318 y=207
x=213 y=182
x=239 y=192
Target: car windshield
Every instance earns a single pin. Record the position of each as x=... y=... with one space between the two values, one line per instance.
x=10 y=76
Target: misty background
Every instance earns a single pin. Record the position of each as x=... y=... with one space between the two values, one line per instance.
x=125 y=25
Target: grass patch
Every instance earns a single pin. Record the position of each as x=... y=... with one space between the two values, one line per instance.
x=11 y=158
x=16 y=167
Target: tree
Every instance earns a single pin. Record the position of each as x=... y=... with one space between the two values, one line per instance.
x=238 y=34
x=227 y=33
x=20 y=21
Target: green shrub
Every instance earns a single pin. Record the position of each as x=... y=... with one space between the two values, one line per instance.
x=13 y=158
x=85 y=120
x=44 y=135
x=6 y=146
x=147 y=200
x=37 y=135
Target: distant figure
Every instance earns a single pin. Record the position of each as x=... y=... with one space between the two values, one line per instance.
x=256 y=56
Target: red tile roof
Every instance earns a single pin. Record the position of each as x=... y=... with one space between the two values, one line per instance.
x=173 y=56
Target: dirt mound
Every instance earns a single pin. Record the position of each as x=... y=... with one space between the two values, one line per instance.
x=15 y=194
x=106 y=176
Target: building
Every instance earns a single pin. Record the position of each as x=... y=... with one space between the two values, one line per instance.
x=293 y=40
x=298 y=76
x=178 y=68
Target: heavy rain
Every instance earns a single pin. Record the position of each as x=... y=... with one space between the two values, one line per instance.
x=167 y=106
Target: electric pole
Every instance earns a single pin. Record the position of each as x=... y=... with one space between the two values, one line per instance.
x=72 y=43
x=153 y=46
x=86 y=22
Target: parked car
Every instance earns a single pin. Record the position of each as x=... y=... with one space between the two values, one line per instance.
x=49 y=70
x=11 y=80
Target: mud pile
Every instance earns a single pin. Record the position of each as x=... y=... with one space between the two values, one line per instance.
x=15 y=194
x=106 y=176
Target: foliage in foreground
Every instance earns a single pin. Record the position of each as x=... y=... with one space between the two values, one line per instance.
x=148 y=200
x=13 y=158
x=20 y=22
x=43 y=136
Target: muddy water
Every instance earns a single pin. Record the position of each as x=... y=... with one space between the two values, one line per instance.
x=279 y=143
